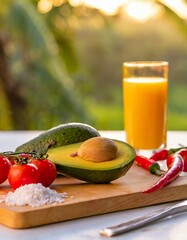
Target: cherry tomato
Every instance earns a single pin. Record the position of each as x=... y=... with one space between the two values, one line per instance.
x=4 y=168
x=22 y=174
x=11 y=160
x=183 y=153
x=47 y=171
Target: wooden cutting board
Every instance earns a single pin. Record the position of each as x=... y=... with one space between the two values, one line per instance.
x=86 y=199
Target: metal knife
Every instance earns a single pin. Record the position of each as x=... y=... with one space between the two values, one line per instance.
x=144 y=220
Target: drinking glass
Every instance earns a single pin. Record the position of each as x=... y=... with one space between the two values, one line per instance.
x=145 y=90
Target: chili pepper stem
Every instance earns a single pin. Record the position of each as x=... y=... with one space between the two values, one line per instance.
x=155 y=168
x=158 y=172
x=174 y=150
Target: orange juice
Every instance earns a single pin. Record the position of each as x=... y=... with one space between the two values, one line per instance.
x=145 y=109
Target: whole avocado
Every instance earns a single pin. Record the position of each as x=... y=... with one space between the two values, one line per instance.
x=60 y=135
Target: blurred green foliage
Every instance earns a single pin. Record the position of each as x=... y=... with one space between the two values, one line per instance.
x=36 y=85
x=66 y=65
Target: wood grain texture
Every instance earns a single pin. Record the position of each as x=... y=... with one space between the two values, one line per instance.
x=85 y=199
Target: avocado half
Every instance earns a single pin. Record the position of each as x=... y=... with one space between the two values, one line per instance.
x=69 y=164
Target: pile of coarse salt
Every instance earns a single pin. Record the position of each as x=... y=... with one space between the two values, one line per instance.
x=34 y=195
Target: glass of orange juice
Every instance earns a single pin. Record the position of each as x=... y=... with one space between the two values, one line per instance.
x=145 y=90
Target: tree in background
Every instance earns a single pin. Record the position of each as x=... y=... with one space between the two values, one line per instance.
x=37 y=92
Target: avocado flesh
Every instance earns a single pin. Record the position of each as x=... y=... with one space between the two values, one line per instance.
x=95 y=172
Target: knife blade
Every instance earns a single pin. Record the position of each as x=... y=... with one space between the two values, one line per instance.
x=144 y=220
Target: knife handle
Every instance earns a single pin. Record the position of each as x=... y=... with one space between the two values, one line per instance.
x=144 y=220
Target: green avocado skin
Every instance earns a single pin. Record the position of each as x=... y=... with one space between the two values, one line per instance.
x=61 y=135
x=94 y=176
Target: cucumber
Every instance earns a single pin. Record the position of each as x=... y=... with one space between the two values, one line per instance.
x=61 y=135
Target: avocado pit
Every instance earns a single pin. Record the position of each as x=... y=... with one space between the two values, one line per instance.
x=98 y=149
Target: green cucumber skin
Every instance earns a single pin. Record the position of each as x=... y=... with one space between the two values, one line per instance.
x=94 y=176
x=61 y=135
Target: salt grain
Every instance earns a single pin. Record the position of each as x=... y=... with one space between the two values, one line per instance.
x=34 y=195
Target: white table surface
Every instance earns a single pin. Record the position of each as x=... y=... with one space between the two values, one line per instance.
x=173 y=228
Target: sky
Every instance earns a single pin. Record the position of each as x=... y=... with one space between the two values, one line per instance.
x=140 y=10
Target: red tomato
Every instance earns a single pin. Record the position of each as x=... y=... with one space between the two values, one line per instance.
x=183 y=153
x=4 y=168
x=47 y=171
x=22 y=174
x=11 y=160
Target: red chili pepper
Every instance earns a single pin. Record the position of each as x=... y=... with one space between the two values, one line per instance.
x=183 y=153
x=163 y=154
x=175 y=166
x=160 y=155
x=148 y=164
